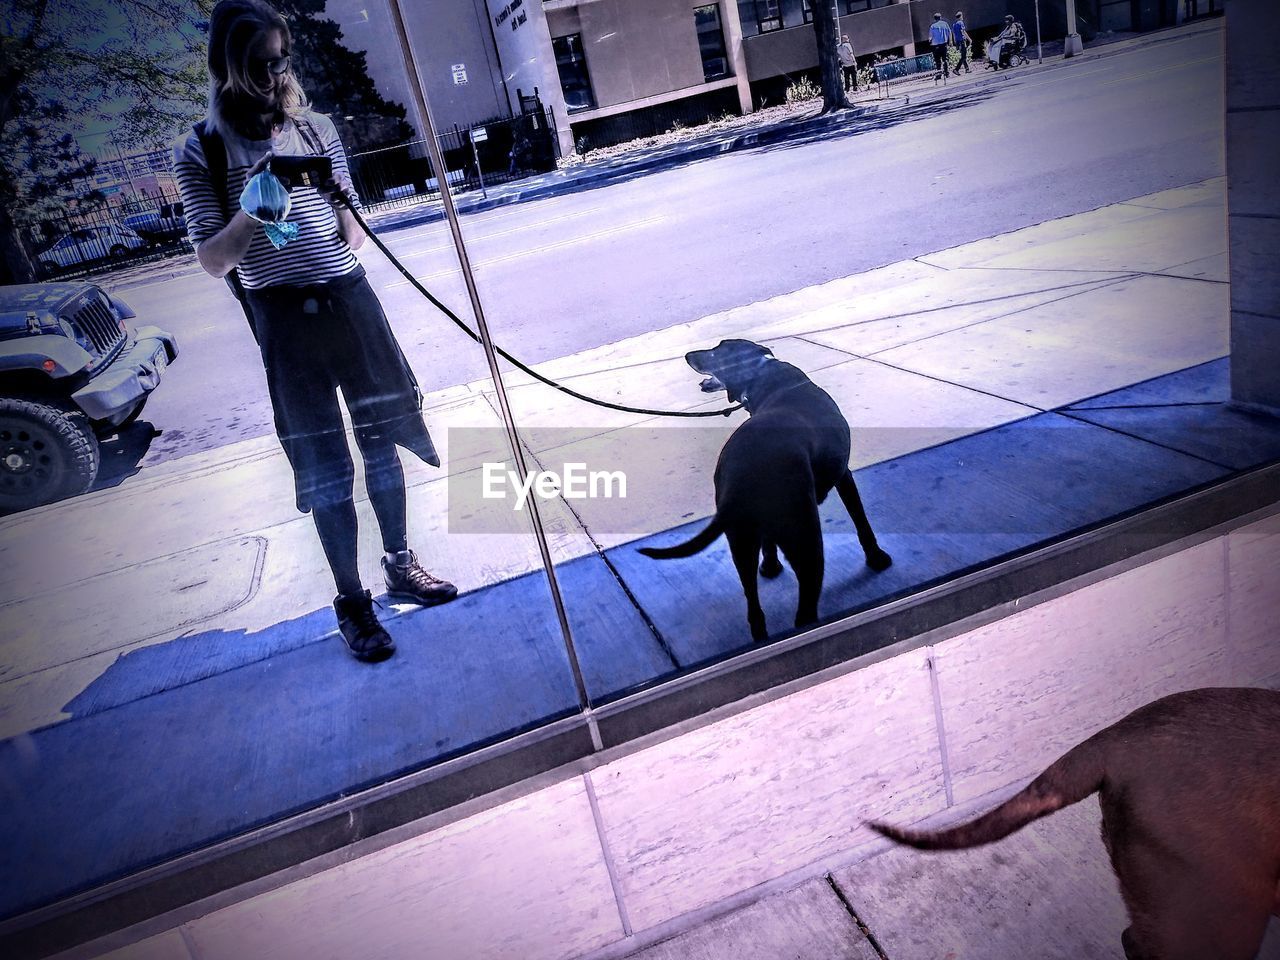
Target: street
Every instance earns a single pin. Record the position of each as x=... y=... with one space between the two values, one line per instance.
x=565 y=274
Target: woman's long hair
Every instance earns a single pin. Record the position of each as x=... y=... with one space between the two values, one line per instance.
x=236 y=96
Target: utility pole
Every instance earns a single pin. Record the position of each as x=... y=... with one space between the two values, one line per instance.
x=1071 y=45
x=1039 y=45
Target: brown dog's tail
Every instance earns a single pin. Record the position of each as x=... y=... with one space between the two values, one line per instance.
x=1069 y=780
x=700 y=542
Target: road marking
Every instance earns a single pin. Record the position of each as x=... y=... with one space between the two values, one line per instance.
x=525 y=253
x=448 y=244
x=1107 y=68
x=1172 y=66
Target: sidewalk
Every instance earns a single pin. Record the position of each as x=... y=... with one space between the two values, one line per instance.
x=173 y=661
x=1047 y=892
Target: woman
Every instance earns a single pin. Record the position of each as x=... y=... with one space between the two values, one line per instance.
x=319 y=325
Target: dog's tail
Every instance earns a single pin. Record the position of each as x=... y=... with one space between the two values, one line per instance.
x=700 y=541
x=1069 y=780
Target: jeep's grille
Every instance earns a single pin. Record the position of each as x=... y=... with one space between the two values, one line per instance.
x=96 y=321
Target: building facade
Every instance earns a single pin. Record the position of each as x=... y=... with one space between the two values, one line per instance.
x=612 y=70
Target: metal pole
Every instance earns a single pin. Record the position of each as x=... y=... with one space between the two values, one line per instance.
x=475 y=155
x=1039 y=45
x=464 y=261
x=1071 y=45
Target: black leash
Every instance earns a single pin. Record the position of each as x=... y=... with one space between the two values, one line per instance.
x=517 y=363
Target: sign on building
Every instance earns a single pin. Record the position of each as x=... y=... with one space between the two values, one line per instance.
x=459 y=74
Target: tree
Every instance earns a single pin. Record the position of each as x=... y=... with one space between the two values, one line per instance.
x=135 y=69
x=337 y=80
x=832 y=77
x=68 y=66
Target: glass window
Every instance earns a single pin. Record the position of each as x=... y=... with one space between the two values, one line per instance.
x=768 y=15
x=572 y=65
x=715 y=59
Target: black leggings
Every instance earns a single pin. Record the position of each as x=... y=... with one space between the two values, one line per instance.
x=336 y=518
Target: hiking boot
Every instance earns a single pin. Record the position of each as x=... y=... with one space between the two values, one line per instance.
x=412 y=584
x=364 y=635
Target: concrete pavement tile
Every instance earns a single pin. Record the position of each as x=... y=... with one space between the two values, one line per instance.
x=1046 y=892
x=1100 y=341
x=806 y=923
x=982 y=300
x=1206 y=192
x=1253 y=610
x=950 y=292
x=209 y=759
x=1216 y=432
x=760 y=321
x=752 y=797
x=666 y=384
x=82 y=538
x=1214 y=267
x=1007 y=688
x=1102 y=222
x=892 y=412
x=1205 y=383
x=525 y=879
x=118 y=609
x=1150 y=243
x=40 y=699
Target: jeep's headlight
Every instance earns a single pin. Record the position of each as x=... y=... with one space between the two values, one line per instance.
x=68 y=330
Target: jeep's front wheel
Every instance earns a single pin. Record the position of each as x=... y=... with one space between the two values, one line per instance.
x=47 y=452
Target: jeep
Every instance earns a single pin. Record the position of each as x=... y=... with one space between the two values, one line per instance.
x=71 y=371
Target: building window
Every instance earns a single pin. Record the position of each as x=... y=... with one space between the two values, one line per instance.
x=807 y=10
x=768 y=15
x=715 y=58
x=574 y=79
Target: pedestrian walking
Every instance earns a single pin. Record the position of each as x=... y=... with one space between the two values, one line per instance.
x=939 y=37
x=960 y=37
x=319 y=325
x=848 y=62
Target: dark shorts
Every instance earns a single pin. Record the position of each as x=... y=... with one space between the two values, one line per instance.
x=315 y=341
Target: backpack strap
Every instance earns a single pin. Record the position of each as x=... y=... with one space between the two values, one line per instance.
x=215 y=158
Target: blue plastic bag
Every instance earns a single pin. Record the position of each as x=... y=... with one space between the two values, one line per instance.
x=266 y=200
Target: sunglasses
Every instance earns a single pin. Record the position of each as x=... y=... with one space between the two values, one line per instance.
x=276 y=66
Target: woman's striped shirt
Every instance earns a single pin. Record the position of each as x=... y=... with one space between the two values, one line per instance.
x=317 y=254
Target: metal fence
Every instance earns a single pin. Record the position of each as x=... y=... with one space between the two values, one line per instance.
x=134 y=229
x=130 y=229
x=480 y=156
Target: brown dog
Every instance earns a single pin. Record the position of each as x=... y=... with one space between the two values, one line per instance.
x=1190 y=794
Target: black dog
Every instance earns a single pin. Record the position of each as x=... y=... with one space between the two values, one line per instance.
x=773 y=472
x=1190 y=793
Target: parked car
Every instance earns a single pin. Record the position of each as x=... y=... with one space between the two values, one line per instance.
x=71 y=370
x=88 y=245
x=159 y=227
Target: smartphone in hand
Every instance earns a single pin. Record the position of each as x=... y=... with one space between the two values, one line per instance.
x=301 y=171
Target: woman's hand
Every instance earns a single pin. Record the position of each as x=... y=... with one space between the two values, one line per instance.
x=261 y=165
x=333 y=189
